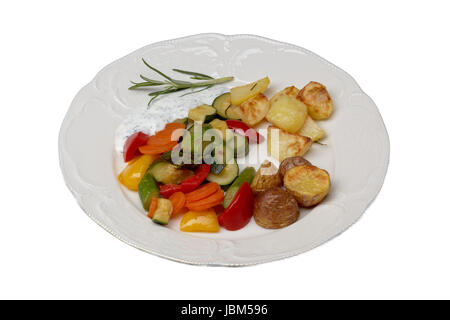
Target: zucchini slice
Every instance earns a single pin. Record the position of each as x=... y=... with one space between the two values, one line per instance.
x=163 y=211
x=226 y=176
x=222 y=103
x=239 y=144
x=203 y=113
x=168 y=173
x=234 y=113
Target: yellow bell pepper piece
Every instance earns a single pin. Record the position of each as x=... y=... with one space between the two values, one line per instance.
x=200 y=221
x=132 y=174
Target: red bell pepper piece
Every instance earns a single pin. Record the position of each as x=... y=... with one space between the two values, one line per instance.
x=166 y=190
x=240 y=210
x=131 y=147
x=191 y=183
x=243 y=129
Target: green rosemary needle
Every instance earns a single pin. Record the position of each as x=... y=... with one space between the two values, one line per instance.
x=171 y=85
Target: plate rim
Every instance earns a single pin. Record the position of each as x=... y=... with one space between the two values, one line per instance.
x=291 y=253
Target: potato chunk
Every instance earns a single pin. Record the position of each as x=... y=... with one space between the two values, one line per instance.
x=289 y=163
x=248 y=91
x=316 y=97
x=275 y=208
x=289 y=91
x=312 y=130
x=266 y=177
x=282 y=144
x=288 y=113
x=308 y=184
x=255 y=109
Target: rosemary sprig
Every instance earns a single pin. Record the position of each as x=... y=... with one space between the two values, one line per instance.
x=171 y=85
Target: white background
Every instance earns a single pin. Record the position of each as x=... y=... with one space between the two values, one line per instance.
x=399 y=53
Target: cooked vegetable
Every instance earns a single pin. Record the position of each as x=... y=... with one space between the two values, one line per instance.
x=152 y=208
x=275 y=208
x=167 y=190
x=220 y=126
x=308 y=184
x=312 y=130
x=239 y=144
x=194 y=143
x=289 y=163
x=173 y=85
x=130 y=149
x=245 y=176
x=192 y=183
x=163 y=211
x=132 y=174
x=178 y=200
x=287 y=113
x=289 y=91
x=203 y=204
x=199 y=221
x=240 y=210
x=226 y=176
x=217 y=168
x=164 y=140
x=170 y=134
x=243 y=129
x=318 y=100
x=203 y=113
x=255 y=109
x=282 y=144
x=266 y=177
x=248 y=91
x=234 y=113
x=202 y=192
x=222 y=103
x=155 y=150
x=147 y=190
x=168 y=173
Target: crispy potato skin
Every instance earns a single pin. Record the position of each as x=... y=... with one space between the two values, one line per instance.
x=308 y=184
x=275 y=208
x=255 y=109
x=288 y=144
x=265 y=178
x=317 y=99
x=289 y=163
x=289 y=91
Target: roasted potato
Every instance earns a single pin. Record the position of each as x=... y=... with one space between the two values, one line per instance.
x=288 y=113
x=308 y=184
x=255 y=109
x=289 y=163
x=289 y=91
x=266 y=177
x=248 y=91
x=282 y=144
x=312 y=130
x=316 y=97
x=275 y=208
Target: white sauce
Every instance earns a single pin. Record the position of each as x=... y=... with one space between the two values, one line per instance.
x=162 y=110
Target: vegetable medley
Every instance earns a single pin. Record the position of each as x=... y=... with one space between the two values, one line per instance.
x=190 y=167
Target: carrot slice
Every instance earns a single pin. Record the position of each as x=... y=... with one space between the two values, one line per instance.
x=151 y=149
x=203 y=192
x=167 y=136
x=178 y=200
x=153 y=207
x=209 y=202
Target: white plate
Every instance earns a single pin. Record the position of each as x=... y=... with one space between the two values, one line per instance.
x=356 y=155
